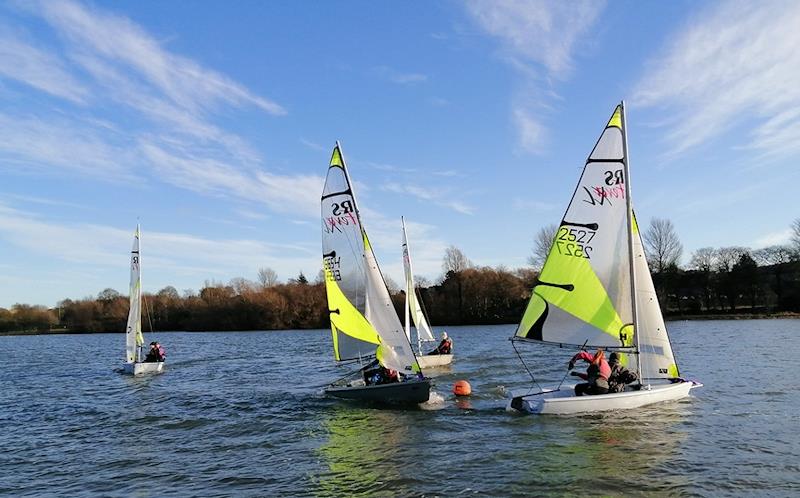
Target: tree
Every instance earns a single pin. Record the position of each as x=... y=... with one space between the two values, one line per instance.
x=168 y=292
x=108 y=295
x=662 y=244
x=703 y=262
x=454 y=260
x=796 y=234
x=541 y=245
x=267 y=277
x=301 y=279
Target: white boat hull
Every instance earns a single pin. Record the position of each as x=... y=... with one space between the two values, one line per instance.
x=434 y=360
x=142 y=368
x=564 y=401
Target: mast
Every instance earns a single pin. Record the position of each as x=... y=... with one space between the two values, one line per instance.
x=629 y=223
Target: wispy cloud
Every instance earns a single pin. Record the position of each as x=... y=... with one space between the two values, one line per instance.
x=175 y=253
x=532 y=205
x=434 y=196
x=20 y=60
x=774 y=238
x=399 y=77
x=735 y=63
x=538 y=38
x=314 y=145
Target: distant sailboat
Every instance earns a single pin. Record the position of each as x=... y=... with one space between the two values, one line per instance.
x=413 y=311
x=595 y=290
x=134 y=340
x=364 y=323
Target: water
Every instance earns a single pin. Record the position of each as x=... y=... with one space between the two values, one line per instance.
x=242 y=414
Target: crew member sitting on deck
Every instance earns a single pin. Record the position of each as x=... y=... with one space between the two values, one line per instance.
x=156 y=353
x=444 y=347
x=620 y=376
x=596 y=374
x=379 y=375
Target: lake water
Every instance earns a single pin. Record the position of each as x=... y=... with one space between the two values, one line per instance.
x=242 y=414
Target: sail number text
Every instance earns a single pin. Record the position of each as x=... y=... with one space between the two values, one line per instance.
x=574 y=242
x=332 y=268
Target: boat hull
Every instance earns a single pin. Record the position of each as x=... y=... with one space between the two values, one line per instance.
x=434 y=360
x=409 y=392
x=142 y=368
x=564 y=401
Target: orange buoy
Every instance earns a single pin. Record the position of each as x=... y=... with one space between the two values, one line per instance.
x=462 y=388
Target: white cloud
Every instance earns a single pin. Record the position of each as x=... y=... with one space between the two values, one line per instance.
x=532 y=205
x=538 y=38
x=425 y=194
x=398 y=77
x=21 y=61
x=119 y=40
x=775 y=238
x=736 y=63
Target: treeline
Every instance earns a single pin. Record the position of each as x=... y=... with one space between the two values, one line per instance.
x=716 y=281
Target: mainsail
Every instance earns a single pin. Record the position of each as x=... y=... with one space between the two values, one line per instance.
x=133 y=331
x=585 y=291
x=413 y=308
x=361 y=312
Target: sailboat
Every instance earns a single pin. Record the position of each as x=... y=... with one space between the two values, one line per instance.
x=364 y=323
x=413 y=310
x=134 y=340
x=595 y=290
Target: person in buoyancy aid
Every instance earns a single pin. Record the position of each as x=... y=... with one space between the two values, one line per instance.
x=379 y=375
x=620 y=376
x=156 y=353
x=444 y=347
x=596 y=375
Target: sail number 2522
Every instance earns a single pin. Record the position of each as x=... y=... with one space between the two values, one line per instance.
x=574 y=242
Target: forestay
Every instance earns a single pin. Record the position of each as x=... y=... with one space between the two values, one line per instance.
x=584 y=289
x=133 y=332
x=413 y=307
x=361 y=311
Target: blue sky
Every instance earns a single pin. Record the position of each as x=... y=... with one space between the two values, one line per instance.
x=212 y=123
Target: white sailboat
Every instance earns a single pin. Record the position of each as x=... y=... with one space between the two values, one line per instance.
x=413 y=311
x=364 y=323
x=595 y=290
x=134 y=340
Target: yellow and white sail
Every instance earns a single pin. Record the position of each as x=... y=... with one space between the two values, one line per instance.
x=585 y=292
x=361 y=310
x=413 y=309
x=133 y=331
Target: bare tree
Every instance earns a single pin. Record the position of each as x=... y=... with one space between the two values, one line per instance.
x=704 y=259
x=241 y=285
x=267 y=277
x=542 y=243
x=774 y=255
x=727 y=257
x=664 y=249
x=455 y=260
x=796 y=234
x=421 y=282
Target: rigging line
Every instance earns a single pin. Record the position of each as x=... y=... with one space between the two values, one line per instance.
x=568 y=370
x=147 y=312
x=524 y=365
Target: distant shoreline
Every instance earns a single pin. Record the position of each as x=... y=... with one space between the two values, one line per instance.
x=670 y=318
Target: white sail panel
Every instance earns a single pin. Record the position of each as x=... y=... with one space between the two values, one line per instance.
x=133 y=331
x=415 y=310
x=583 y=294
x=655 y=350
x=395 y=348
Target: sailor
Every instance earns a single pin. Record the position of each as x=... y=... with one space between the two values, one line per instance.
x=620 y=376
x=444 y=347
x=596 y=375
x=156 y=353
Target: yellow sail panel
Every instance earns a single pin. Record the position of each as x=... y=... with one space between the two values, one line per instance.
x=336 y=157
x=569 y=283
x=616 y=118
x=345 y=318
